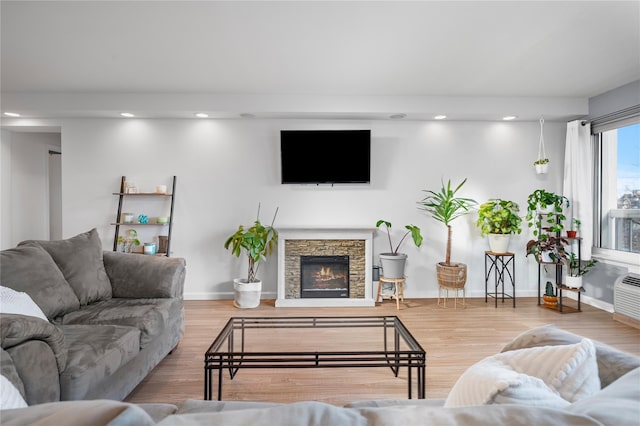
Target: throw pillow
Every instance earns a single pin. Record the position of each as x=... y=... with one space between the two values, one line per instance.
x=10 y=396
x=80 y=260
x=33 y=271
x=17 y=302
x=551 y=376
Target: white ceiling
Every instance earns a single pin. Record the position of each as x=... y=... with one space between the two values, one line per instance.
x=337 y=59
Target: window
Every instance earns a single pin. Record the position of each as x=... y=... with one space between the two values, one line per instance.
x=617 y=208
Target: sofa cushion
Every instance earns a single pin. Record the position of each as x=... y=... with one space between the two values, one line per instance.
x=80 y=260
x=95 y=352
x=544 y=376
x=150 y=316
x=612 y=363
x=617 y=404
x=31 y=269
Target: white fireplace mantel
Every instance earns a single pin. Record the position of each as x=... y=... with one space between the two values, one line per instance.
x=365 y=234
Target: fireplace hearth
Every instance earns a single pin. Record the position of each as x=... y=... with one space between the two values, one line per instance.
x=324 y=276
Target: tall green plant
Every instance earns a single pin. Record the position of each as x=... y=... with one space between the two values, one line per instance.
x=258 y=242
x=445 y=207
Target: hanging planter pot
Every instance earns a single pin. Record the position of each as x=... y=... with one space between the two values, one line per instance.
x=542 y=163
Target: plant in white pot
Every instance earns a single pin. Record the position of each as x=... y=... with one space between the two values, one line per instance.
x=258 y=242
x=497 y=220
x=445 y=206
x=393 y=262
x=576 y=269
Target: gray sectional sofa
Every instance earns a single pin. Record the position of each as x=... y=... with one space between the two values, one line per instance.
x=109 y=318
x=612 y=375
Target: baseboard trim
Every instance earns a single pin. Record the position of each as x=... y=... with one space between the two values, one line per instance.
x=222 y=295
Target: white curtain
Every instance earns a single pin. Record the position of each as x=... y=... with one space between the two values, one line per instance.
x=578 y=181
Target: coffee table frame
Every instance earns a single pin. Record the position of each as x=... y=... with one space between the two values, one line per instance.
x=222 y=354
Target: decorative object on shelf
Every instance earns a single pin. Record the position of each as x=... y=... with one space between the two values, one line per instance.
x=497 y=220
x=258 y=242
x=550 y=298
x=143 y=219
x=127 y=218
x=575 y=227
x=130 y=188
x=150 y=248
x=548 y=250
x=126 y=242
x=445 y=207
x=576 y=269
x=546 y=206
x=162 y=220
x=161 y=189
x=542 y=163
x=393 y=262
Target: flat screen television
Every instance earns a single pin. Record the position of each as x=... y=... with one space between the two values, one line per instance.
x=325 y=156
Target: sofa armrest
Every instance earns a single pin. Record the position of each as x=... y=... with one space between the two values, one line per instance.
x=16 y=329
x=140 y=276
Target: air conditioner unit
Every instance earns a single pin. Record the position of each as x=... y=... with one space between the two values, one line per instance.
x=626 y=299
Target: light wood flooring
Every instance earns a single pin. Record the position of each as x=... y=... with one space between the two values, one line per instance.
x=454 y=339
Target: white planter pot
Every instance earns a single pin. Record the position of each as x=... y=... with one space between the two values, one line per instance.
x=393 y=264
x=246 y=295
x=499 y=243
x=542 y=168
x=573 y=282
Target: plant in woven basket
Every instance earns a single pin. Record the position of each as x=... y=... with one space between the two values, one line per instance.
x=549 y=297
x=445 y=206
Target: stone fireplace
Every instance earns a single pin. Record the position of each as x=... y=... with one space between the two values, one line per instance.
x=325 y=267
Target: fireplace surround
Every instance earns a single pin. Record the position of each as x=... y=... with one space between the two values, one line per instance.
x=354 y=244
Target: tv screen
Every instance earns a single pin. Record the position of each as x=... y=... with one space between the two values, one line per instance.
x=325 y=156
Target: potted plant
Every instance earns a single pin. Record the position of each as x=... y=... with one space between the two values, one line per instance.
x=129 y=239
x=548 y=249
x=545 y=207
x=445 y=206
x=576 y=269
x=541 y=165
x=575 y=227
x=497 y=220
x=258 y=242
x=393 y=262
x=549 y=298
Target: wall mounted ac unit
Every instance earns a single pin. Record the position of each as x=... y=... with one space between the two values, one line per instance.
x=626 y=299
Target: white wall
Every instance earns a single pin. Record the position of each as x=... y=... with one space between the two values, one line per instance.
x=25 y=185
x=226 y=167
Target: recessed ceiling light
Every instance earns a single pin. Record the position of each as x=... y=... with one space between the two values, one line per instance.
x=202 y=115
x=397 y=116
x=127 y=114
x=440 y=117
x=12 y=114
x=247 y=115
x=509 y=117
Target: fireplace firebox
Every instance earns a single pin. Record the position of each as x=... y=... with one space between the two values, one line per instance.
x=324 y=277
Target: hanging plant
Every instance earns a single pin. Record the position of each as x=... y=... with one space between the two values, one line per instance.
x=542 y=163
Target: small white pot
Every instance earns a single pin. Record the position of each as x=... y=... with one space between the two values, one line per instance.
x=573 y=282
x=542 y=168
x=499 y=243
x=246 y=295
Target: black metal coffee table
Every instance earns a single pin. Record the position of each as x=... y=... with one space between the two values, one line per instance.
x=318 y=342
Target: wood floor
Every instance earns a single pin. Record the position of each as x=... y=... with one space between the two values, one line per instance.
x=454 y=339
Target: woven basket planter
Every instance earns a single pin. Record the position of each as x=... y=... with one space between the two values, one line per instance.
x=550 y=301
x=451 y=276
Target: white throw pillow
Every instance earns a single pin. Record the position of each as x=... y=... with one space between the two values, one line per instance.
x=17 y=302
x=550 y=376
x=9 y=395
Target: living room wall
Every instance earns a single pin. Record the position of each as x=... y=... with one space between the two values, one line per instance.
x=226 y=167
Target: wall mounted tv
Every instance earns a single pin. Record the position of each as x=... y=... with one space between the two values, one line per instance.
x=325 y=156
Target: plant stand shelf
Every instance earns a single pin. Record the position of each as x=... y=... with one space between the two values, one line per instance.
x=502 y=267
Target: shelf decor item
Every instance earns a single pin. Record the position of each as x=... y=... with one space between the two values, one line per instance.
x=445 y=206
x=497 y=220
x=393 y=262
x=125 y=242
x=547 y=207
x=576 y=268
x=550 y=298
x=542 y=163
x=257 y=242
x=143 y=219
